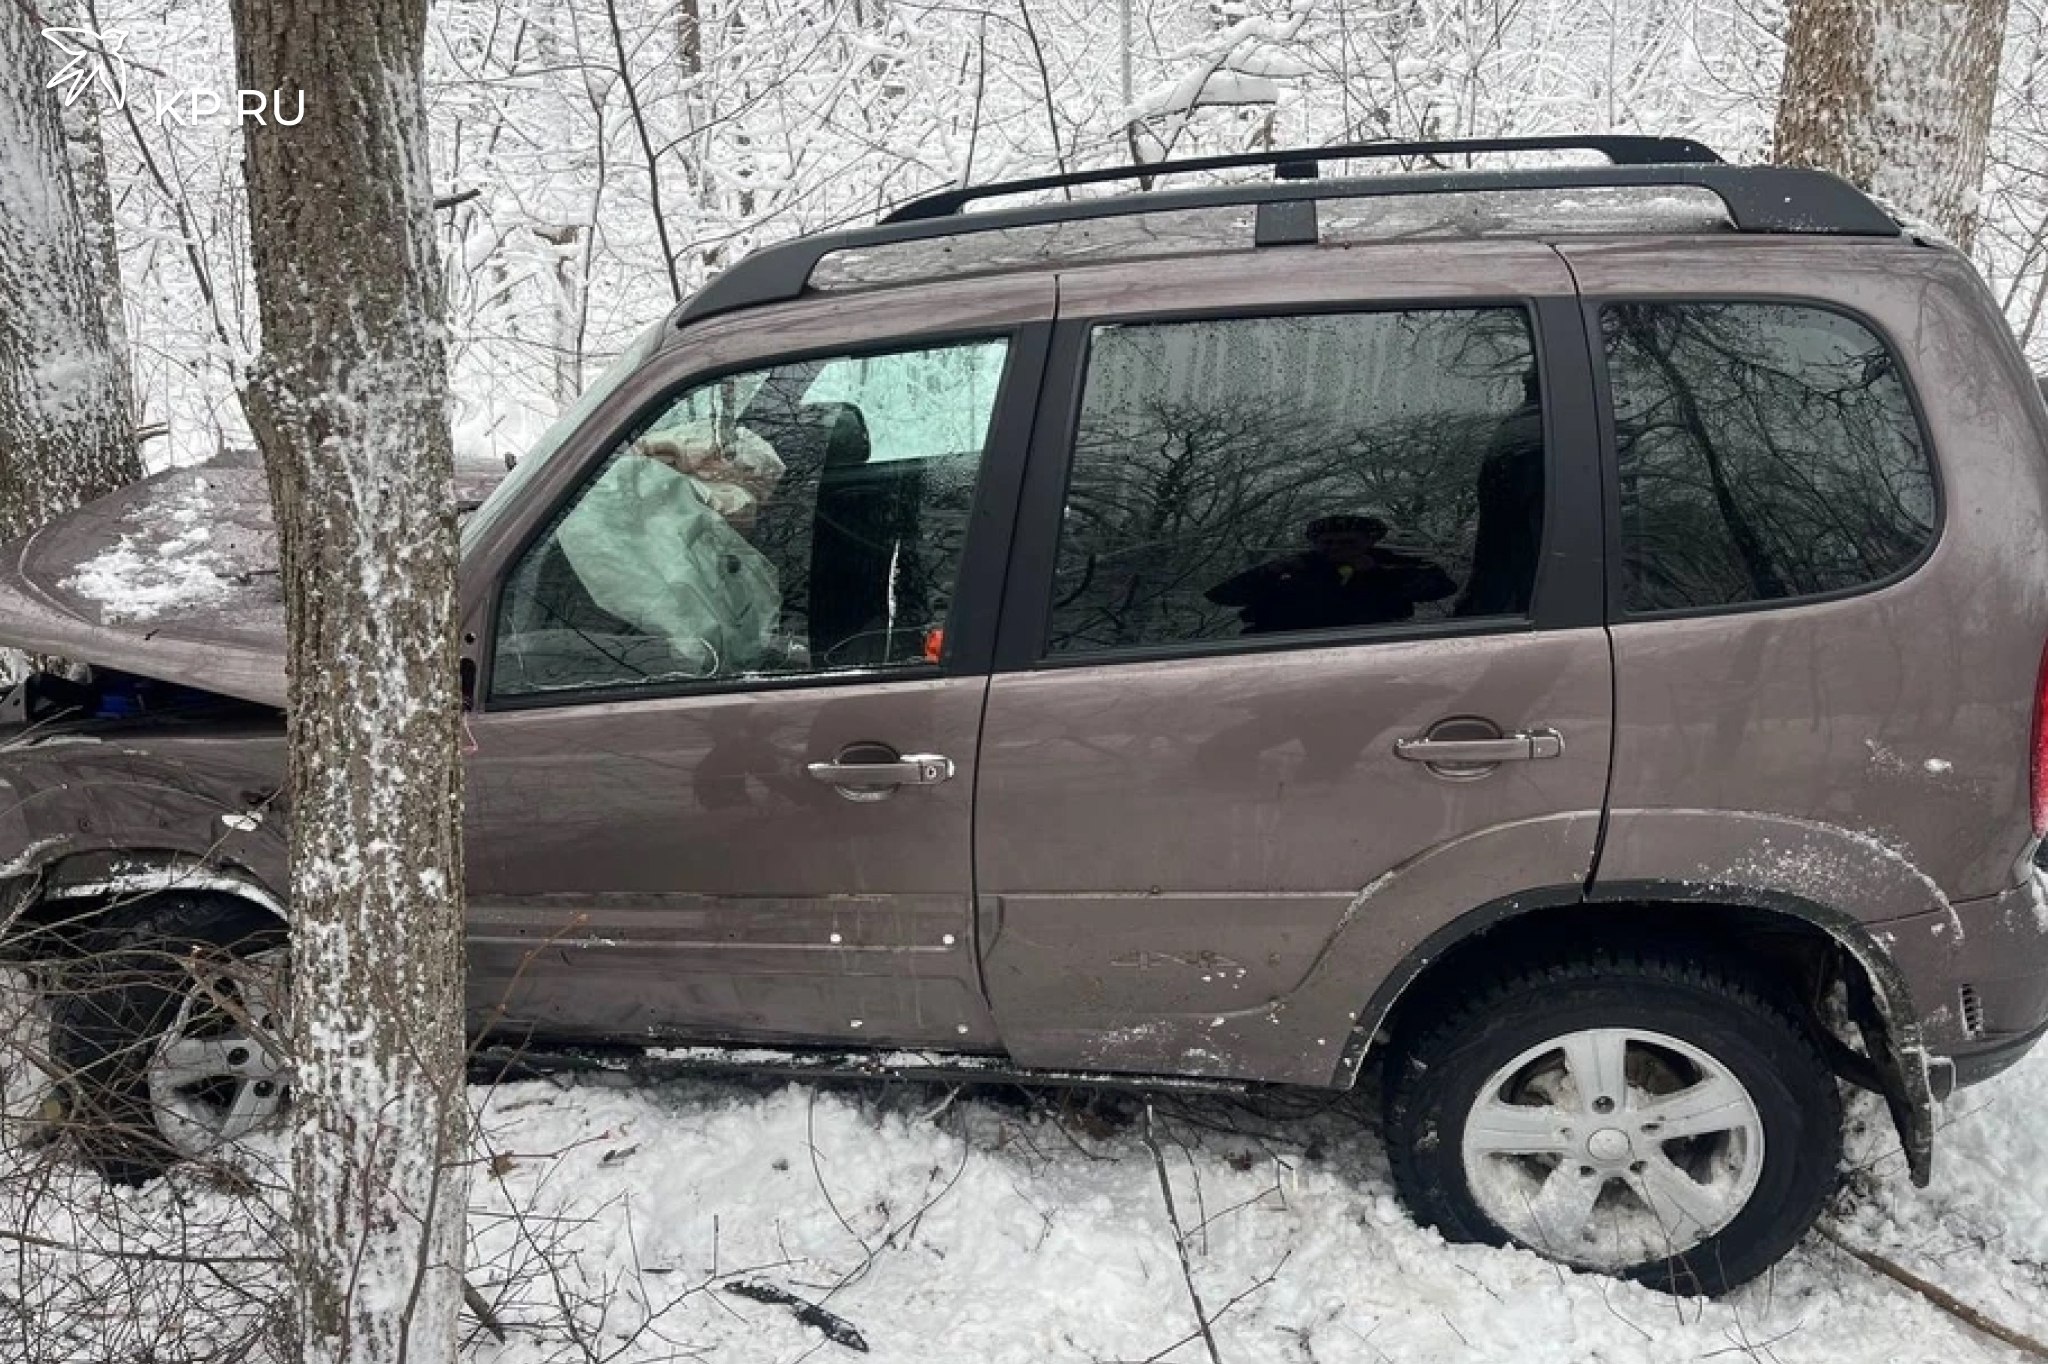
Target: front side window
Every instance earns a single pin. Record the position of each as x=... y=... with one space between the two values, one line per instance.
x=1256 y=477
x=758 y=525
x=1765 y=452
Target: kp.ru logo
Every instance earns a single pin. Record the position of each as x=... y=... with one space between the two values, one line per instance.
x=91 y=59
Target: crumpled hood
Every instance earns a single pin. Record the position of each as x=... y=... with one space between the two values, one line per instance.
x=175 y=577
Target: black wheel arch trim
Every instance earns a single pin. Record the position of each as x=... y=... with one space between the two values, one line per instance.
x=101 y=872
x=1902 y=1062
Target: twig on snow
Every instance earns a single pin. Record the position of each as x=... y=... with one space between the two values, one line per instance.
x=164 y=1257
x=907 y=1228
x=1224 y=1310
x=818 y=1173
x=480 y=1308
x=1180 y=1241
x=1946 y=1301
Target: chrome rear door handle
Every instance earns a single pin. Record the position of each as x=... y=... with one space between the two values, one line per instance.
x=1534 y=743
x=912 y=769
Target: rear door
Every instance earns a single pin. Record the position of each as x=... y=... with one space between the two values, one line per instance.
x=1301 y=656
x=731 y=677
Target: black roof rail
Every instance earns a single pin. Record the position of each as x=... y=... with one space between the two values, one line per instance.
x=1760 y=199
x=1302 y=163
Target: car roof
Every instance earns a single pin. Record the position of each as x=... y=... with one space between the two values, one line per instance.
x=1652 y=186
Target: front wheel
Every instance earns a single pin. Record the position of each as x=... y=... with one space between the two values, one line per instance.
x=1641 y=1114
x=166 y=1033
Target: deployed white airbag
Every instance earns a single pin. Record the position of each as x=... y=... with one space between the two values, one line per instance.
x=652 y=545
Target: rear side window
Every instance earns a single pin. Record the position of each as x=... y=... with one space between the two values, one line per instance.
x=1286 y=475
x=1765 y=451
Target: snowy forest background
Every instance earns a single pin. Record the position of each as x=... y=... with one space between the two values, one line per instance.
x=593 y=161
x=578 y=142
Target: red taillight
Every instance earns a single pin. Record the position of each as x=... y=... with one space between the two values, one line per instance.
x=2039 y=764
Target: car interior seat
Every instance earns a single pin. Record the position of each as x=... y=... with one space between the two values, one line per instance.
x=867 y=594
x=806 y=527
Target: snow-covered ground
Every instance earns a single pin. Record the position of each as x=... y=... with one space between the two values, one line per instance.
x=610 y=1223
x=980 y=1230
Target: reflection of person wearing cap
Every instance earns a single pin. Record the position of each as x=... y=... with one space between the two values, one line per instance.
x=1344 y=578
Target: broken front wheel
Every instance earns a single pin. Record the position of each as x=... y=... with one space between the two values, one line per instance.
x=167 y=1032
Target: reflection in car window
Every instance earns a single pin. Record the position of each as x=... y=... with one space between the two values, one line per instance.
x=1766 y=452
x=509 y=490
x=920 y=404
x=749 y=529
x=1268 y=476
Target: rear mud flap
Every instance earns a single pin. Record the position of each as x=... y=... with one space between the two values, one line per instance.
x=1910 y=1097
x=1879 y=1006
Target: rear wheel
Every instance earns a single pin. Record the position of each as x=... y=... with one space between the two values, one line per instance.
x=1641 y=1114
x=167 y=1033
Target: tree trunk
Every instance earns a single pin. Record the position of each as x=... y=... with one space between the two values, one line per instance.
x=96 y=203
x=349 y=405
x=565 y=307
x=65 y=432
x=690 y=38
x=1896 y=96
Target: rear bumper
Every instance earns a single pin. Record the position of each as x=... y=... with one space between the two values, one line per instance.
x=1996 y=1005
x=1979 y=1063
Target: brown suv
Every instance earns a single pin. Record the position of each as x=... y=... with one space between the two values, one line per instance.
x=1572 y=636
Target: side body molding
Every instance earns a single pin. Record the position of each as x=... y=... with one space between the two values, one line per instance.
x=1868 y=897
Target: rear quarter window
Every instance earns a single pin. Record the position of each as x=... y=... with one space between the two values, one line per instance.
x=1766 y=452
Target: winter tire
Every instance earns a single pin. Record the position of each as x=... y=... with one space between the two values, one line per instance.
x=166 y=1032
x=1651 y=1115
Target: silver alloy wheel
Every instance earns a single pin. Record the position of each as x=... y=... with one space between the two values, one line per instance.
x=218 y=1071
x=1613 y=1147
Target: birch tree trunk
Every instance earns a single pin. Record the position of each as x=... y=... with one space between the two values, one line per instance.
x=348 y=403
x=65 y=432
x=96 y=205
x=1896 y=96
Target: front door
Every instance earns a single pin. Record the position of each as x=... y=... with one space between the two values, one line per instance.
x=726 y=742
x=1302 y=658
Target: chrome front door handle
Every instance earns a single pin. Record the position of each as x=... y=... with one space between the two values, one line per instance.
x=877 y=780
x=1534 y=743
